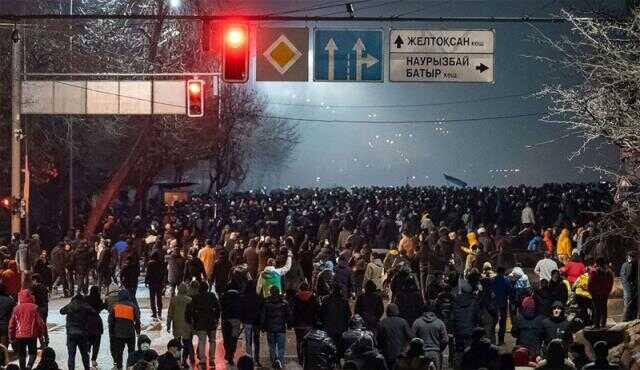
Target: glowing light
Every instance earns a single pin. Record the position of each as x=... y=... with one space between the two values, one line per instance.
x=235 y=37
x=195 y=88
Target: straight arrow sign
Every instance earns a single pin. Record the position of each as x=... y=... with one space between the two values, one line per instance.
x=331 y=50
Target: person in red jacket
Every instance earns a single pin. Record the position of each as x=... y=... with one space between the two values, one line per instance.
x=574 y=268
x=600 y=285
x=11 y=278
x=25 y=327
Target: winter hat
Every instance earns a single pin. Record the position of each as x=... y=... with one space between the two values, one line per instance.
x=487 y=266
x=482 y=230
x=528 y=305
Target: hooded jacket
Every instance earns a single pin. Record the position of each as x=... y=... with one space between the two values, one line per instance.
x=25 y=320
x=393 y=334
x=527 y=329
x=465 y=315
x=556 y=327
x=432 y=331
x=369 y=305
x=176 y=316
x=11 y=278
x=344 y=278
x=204 y=311
x=356 y=334
x=319 y=351
x=600 y=282
x=154 y=276
x=334 y=314
x=305 y=309
x=275 y=315
x=124 y=317
x=409 y=300
x=563 y=248
x=78 y=315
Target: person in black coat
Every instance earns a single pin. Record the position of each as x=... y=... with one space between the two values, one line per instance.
x=334 y=315
x=231 y=306
x=155 y=280
x=318 y=350
x=252 y=304
x=95 y=327
x=7 y=303
x=409 y=300
x=305 y=313
x=40 y=295
x=274 y=318
x=83 y=261
x=356 y=333
x=369 y=305
x=170 y=360
x=203 y=313
x=344 y=277
x=78 y=313
x=194 y=268
x=393 y=334
x=129 y=274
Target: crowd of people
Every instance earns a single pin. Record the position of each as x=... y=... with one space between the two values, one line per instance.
x=367 y=278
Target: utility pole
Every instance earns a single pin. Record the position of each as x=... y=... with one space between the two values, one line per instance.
x=70 y=135
x=16 y=128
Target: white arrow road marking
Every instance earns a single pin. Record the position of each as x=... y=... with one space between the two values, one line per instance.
x=369 y=60
x=331 y=50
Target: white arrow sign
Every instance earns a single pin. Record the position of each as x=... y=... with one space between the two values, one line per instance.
x=331 y=50
x=369 y=60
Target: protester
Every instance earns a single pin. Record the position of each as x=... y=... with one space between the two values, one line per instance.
x=629 y=279
x=180 y=320
x=600 y=285
x=556 y=357
x=25 y=327
x=170 y=360
x=7 y=303
x=251 y=301
x=545 y=266
x=94 y=324
x=155 y=280
x=434 y=335
x=304 y=314
x=274 y=317
x=124 y=326
x=78 y=313
x=47 y=360
x=393 y=335
x=601 y=362
x=369 y=306
x=318 y=350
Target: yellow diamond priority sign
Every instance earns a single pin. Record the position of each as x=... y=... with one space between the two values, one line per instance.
x=282 y=54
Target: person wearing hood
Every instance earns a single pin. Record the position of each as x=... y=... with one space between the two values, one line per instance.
x=334 y=315
x=304 y=314
x=374 y=272
x=231 y=314
x=25 y=327
x=556 y=326
x=434 y=335
x=556 y=357
x=11 y=279
x=274 y=317
x=47 y=360
x=344 y=277
x=78 y=313
x=94 y=323
x=414 y=358
x=480 y=353
x=563 y=247
x=409 y=300
x=364 y=355
x=180 y=316
x=527 y=328
x=521 y=284
x=601 y=362
x=356 y=333
x=272 y=276
x=393 y=334
x=124 y=325
x=369 y=305
x=204 y=315
x=154 y=279
x=318 y=350
x=465 y=317
x=144 y=344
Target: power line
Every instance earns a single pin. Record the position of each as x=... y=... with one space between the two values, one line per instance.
x=366 y=7
x=277 y=18
x=442 y=121
x=319 y=7
x=383 y=106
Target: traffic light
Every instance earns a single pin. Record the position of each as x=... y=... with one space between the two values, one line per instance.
x=6 y=203
x=235 y=53
x=195 y=98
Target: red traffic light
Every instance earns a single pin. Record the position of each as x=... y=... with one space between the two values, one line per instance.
x=6 y=202
x=195 y=98
x=235 y=53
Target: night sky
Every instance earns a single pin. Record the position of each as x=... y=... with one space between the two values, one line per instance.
x=492 y=152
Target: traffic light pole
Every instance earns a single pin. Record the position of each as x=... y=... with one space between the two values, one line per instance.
x=16 y=129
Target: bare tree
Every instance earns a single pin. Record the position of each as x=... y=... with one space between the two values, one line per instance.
x=604 y=53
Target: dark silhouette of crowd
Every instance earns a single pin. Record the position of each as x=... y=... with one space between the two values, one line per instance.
x=366 y=278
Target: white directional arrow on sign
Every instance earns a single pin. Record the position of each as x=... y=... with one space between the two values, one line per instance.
x=331 y=50
x=369 y=60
